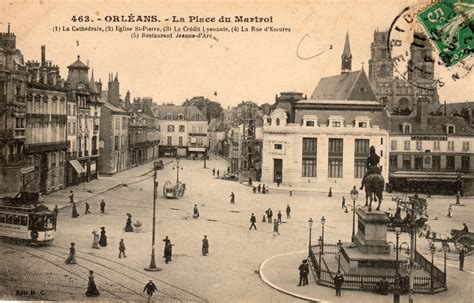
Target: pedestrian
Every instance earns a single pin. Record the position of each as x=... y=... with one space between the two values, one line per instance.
x=343 y=202
x=232 y=198
x=195 y=211
x=465 y=229
x=288 y=211
x=102 y=206
x=75 y=214
x=205 y=246
x=254 y=189
x=128 y=226
x=150 y=288
x=450 y=212
x=302 y=269
x=275 y=228
x=168 y=252
x=269 y=213
x=217 y=173
x=306 y=273
x=95 y=242
x=228 y=169
x=291 y=193
x=278 y=183
x=55 y=213
x=122 y=249
x=71 y=197
x=338 y=281
x=103 y=237
x=259 y=188
x=92 y=290
x=252 y=221
x=263 y=189
x=71 y=258
x=87 y=209
x=279 y=216
x=213 y=172
x=461 y=259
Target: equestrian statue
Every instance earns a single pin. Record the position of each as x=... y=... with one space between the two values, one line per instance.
x=373 y=180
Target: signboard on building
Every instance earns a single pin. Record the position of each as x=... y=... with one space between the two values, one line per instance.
x=430 y=138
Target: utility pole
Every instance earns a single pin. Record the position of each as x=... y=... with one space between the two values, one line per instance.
x=153 y=266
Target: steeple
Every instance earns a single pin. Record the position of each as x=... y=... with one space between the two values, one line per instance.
x=92 y=86
x=346 y=57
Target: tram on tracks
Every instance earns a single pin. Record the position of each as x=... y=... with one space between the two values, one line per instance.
x=23 y=218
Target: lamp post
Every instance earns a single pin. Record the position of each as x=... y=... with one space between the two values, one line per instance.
x=396 y=288
x=339 y=246
x=354 y=196
x=205 y=156
x=310 y=221
x=432 y=251
x=445 y=249
x=177 y=167
x=323 y=220
x=152 y=266
x=320 y=241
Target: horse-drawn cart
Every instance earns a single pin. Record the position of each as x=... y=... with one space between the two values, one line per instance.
x=462 y=240
x=175 y=191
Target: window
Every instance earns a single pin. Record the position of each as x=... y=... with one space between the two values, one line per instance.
x=180 y=141
x=170 y=128
x=418 y=162
x=116 y=143
x=336 y=124
x=360 y=157
x=309 y=159
x=181 y=128
x=394 y=144
x=169 y=140
x=362 y=125
x=450 y=145
x=450 y=129
x=406 y=162
x=407 y=145
x=200 y=129
x=419 y=144
x=278 y=146
x=277 y=121
x=393 y=162
x=309 y=123
x=406 y=128
x=169 y=116
x=465 y=146
x=336 y=147
x=117 y=123
x=180 y=117
x=53 y=160
x=435 y=145
x=465 y=163
x=436 y=163
x=450 y=162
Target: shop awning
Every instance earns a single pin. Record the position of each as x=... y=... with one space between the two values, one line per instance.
x=77 y=166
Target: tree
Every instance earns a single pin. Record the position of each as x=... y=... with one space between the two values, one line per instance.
x=213 y=109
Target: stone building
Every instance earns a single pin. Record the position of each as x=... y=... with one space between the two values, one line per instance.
x=184 y=131
x=400 y=95
x=114 y=123
x=88 y=105
x=324 y=141
x=46 y=125
x=13 y=80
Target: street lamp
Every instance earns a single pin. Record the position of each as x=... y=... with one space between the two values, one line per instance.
x=339 y=246
x=152 y=266
x=354 y=196
x=320 y=242
x=396 y=288
x=177 y=167
x=432 y=251
x=205 y=156
x=310 y=221
x=445 y=249
x=323 y=220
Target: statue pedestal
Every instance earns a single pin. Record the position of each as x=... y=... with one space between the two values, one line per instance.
x=371 y=249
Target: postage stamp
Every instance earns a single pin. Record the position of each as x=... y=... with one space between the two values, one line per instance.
x=450 y=24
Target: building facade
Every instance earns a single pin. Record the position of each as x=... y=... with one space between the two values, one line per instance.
x=82 y=166
x=13 y=82
x=428 y=152
x=46 y=125
x=184 y=131
x=324 y=141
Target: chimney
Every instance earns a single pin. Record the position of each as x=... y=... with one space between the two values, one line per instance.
x=422 y=111
x=43 y=55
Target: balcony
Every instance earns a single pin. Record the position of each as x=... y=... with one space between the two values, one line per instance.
x=12 y=160
x=34 y=148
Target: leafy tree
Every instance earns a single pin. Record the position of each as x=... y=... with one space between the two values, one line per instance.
x=213 y=109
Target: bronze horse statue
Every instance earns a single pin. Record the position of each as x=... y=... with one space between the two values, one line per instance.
x=374 y=187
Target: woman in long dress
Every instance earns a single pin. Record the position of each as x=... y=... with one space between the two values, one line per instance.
x=92 y=290
x=103 y=237
x=95 y=244
x=75 y=214
x=128 y=226
x=195 y=211
x=71 y=259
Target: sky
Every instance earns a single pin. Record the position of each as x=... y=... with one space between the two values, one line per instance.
x=238 y=66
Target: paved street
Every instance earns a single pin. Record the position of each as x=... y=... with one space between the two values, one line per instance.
x=231 y=268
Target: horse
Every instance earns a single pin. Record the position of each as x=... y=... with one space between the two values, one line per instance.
x=374 y=186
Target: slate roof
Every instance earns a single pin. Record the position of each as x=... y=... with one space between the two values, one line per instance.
x=190 y=112
x=436 y=125
x=78 y=64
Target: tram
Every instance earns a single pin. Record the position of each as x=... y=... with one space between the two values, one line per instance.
x=23 y=218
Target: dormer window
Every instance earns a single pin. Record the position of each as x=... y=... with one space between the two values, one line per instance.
x=310 y=123
x=336 y=124
x=180 y=117
x=361 y=122
x=450 y=129
x=336 y=121
x=310 y=120
x=406 y=128
x=277 y=121
x=169 y=116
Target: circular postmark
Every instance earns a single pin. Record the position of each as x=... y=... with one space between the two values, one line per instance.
x=440 y=33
